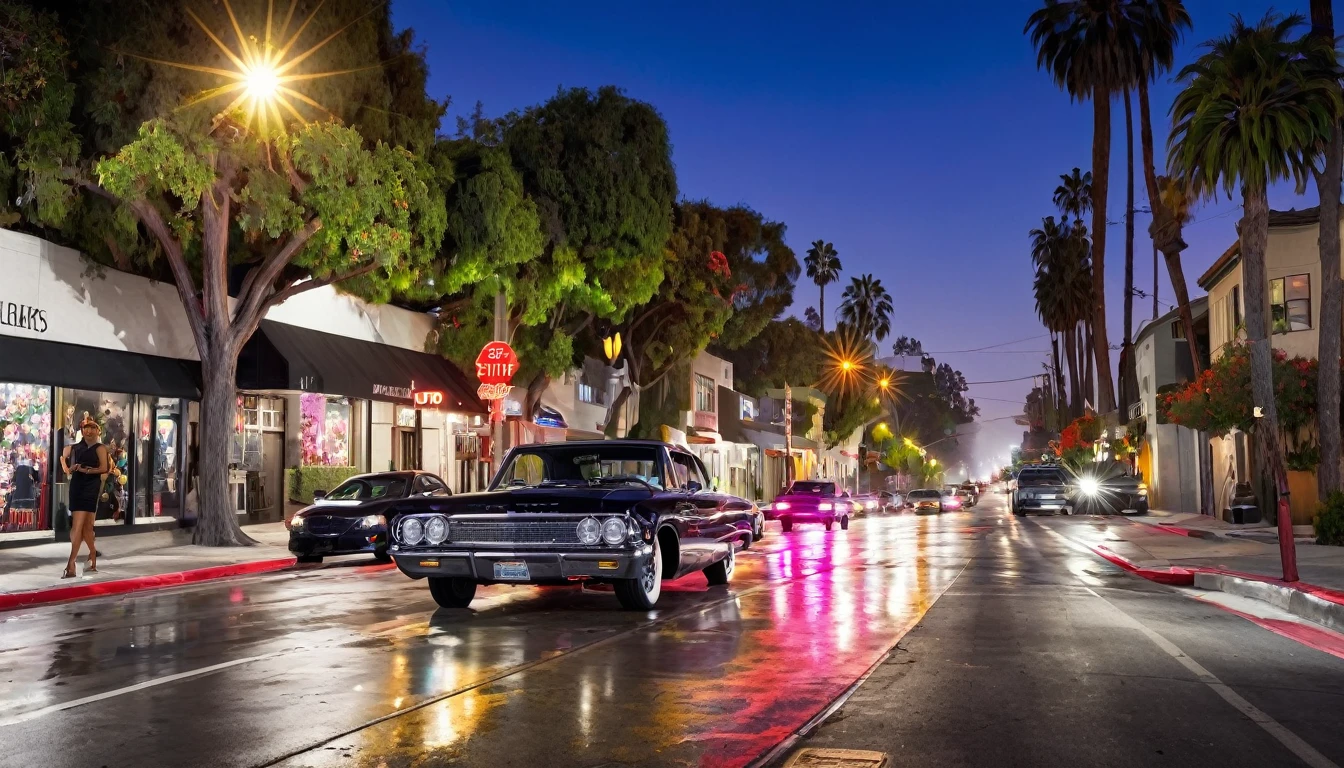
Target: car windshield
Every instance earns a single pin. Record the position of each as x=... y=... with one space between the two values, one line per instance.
x=811 y=488
x=924 y=494
x=561 y=464
x=1043 y=477
x=369 y=488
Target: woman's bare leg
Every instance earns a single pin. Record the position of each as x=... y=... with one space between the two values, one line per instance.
x=76 y=538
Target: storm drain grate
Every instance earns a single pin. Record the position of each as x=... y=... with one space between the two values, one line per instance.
x=836 y=758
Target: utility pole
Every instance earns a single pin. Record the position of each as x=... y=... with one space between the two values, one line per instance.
x=1154 y=280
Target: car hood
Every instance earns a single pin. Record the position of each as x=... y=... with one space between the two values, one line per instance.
x=563 y=500
x=347 y=508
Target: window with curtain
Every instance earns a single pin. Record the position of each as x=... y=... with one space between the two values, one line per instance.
x=1290 y=303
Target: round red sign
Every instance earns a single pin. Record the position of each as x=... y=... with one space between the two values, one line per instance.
x=496 y=364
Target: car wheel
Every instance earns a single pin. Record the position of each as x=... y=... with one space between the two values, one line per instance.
x=452 y=591
x=721 y=572
x=785 y=524
x=640 y=593
x=309 y=558
x=829 y=523
x=382 y=556
x=844 y=523
x=758 y=532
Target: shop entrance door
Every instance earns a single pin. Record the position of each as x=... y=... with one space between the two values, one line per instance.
x=271 y=499
x=408 y=449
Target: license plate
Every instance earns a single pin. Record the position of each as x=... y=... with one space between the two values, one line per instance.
x=512 y=570
x=1129 y=511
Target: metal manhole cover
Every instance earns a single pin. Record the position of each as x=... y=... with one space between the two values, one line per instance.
x=836 y=758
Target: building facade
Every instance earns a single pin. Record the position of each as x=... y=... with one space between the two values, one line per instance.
x=1169 y=458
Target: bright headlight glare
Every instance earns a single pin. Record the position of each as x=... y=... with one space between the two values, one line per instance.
x=613 y=530
x=825 y=506
x=412 y=531
x=1089 y=486
x=436 y=530
x=296 y=522
x=372 y=521
x=589 y=531
x=782 y=505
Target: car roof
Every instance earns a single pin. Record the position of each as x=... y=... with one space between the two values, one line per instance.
x=401 y=473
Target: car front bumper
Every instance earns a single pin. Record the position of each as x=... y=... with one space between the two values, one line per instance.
x=543 y=566
x=351 y=542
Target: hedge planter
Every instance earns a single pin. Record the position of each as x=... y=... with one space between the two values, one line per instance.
x=301 y=482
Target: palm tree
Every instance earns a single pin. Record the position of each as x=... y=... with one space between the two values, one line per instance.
x=823 y=266
x=1328 y=477
x=866 y=307
x=1254 y=109
x=1088 y=47
x=1062 y=288
x=1073 y=196
x=1163 y=23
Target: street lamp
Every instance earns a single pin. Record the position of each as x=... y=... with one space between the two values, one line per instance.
x=611 y=346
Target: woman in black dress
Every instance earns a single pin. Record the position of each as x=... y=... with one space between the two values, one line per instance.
x=85 y=462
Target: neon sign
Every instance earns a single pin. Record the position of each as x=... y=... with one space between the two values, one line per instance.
x=429 y=398
x=495 y=367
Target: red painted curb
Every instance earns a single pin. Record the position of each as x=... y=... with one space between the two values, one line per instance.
x=1175 y=576
x=1321 y=639
x=1329 y=595
x=37 y=597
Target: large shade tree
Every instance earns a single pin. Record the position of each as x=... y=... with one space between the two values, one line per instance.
x=1254 y=109
x=1088 y=48
x=823 y=267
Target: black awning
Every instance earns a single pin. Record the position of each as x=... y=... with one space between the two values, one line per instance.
x=280 y=356
x=57 y=364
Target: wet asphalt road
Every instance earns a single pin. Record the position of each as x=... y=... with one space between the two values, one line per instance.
x=1027 y=655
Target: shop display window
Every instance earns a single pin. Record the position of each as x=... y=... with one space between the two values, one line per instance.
x=157 y=457
x=25 y=445
x=324 y=430
x=112 y=411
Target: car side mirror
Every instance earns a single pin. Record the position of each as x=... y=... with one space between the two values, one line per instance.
x=319 y=495
x=694 y=486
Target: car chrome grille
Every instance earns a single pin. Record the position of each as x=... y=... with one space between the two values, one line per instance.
x=492 y=532
x=326 y=525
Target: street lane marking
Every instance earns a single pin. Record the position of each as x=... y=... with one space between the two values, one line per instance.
x=24 y=717
x=1292 y=741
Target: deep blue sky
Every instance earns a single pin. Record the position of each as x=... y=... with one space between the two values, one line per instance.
x=925 y=146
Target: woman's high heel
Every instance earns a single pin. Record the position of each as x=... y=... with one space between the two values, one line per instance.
x=68 y=573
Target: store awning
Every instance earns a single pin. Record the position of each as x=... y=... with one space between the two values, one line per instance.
x=287 y=357
x=57 y=364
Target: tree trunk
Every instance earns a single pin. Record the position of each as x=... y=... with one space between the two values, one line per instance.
x=821 y=305
x=1166 y=233
x=614 y=411
x=1328 y=476
x=1061 y=398
x=1155 y=312
x=1101 y=174
x=1128 y=375
x=1254 y=237
x=1075 y=385
x=217 y=524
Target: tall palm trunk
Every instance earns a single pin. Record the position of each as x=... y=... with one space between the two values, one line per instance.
x=821 y=305
x=1166 y=230
x=1155 y=313
x=1128 y=374
x=1328 y=477
x=1057 y=374
x=1071 y=359
x=1101 y=174
x=1254 y=237
x=1090 y=387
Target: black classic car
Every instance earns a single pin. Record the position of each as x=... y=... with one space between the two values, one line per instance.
x=628 y=512
x=353 y=517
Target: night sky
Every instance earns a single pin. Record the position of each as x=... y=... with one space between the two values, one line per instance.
x=924 y=146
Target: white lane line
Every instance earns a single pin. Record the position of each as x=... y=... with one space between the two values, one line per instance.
x=1287 y=738
x=24 y=717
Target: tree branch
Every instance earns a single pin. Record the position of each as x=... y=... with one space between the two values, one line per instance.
x=186 y=287
x=258 y=284
x=308 y=285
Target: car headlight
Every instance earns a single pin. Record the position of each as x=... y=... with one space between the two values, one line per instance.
x=870 y=504
x=412 y=531
x=1143 y=490
x=436 y=530
x=589 y=531
x=825 y=506
x=614 y=531
x=1089 y=486
x=372 y=521
x=296 y=522
x=781 y=505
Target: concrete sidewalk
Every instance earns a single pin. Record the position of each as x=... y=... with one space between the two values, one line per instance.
x=156 y=553
x=1194 y=524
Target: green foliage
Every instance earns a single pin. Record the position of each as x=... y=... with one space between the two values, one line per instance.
x=846 y=414
x=784 y=352
x=301 y=482
x=1303 y=458
x=1329 y=521
x=1220 y=400
x=1254 y=107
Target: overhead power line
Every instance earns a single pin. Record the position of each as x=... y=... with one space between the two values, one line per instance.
x=1005 y=381
x=991 y=346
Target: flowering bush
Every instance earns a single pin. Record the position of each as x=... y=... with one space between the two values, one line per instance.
x=1220 y=400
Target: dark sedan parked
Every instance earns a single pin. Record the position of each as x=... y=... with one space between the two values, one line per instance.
x=632 y=513
x=353 y=518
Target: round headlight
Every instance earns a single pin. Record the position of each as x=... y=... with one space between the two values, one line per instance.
x=589 y=531
x=412 y=531
x=613 y=530
x=436 y=530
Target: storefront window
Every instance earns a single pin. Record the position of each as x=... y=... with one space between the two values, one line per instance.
x=157 y=460
x=405 y=417
x=324 y=430
x=25 y=445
